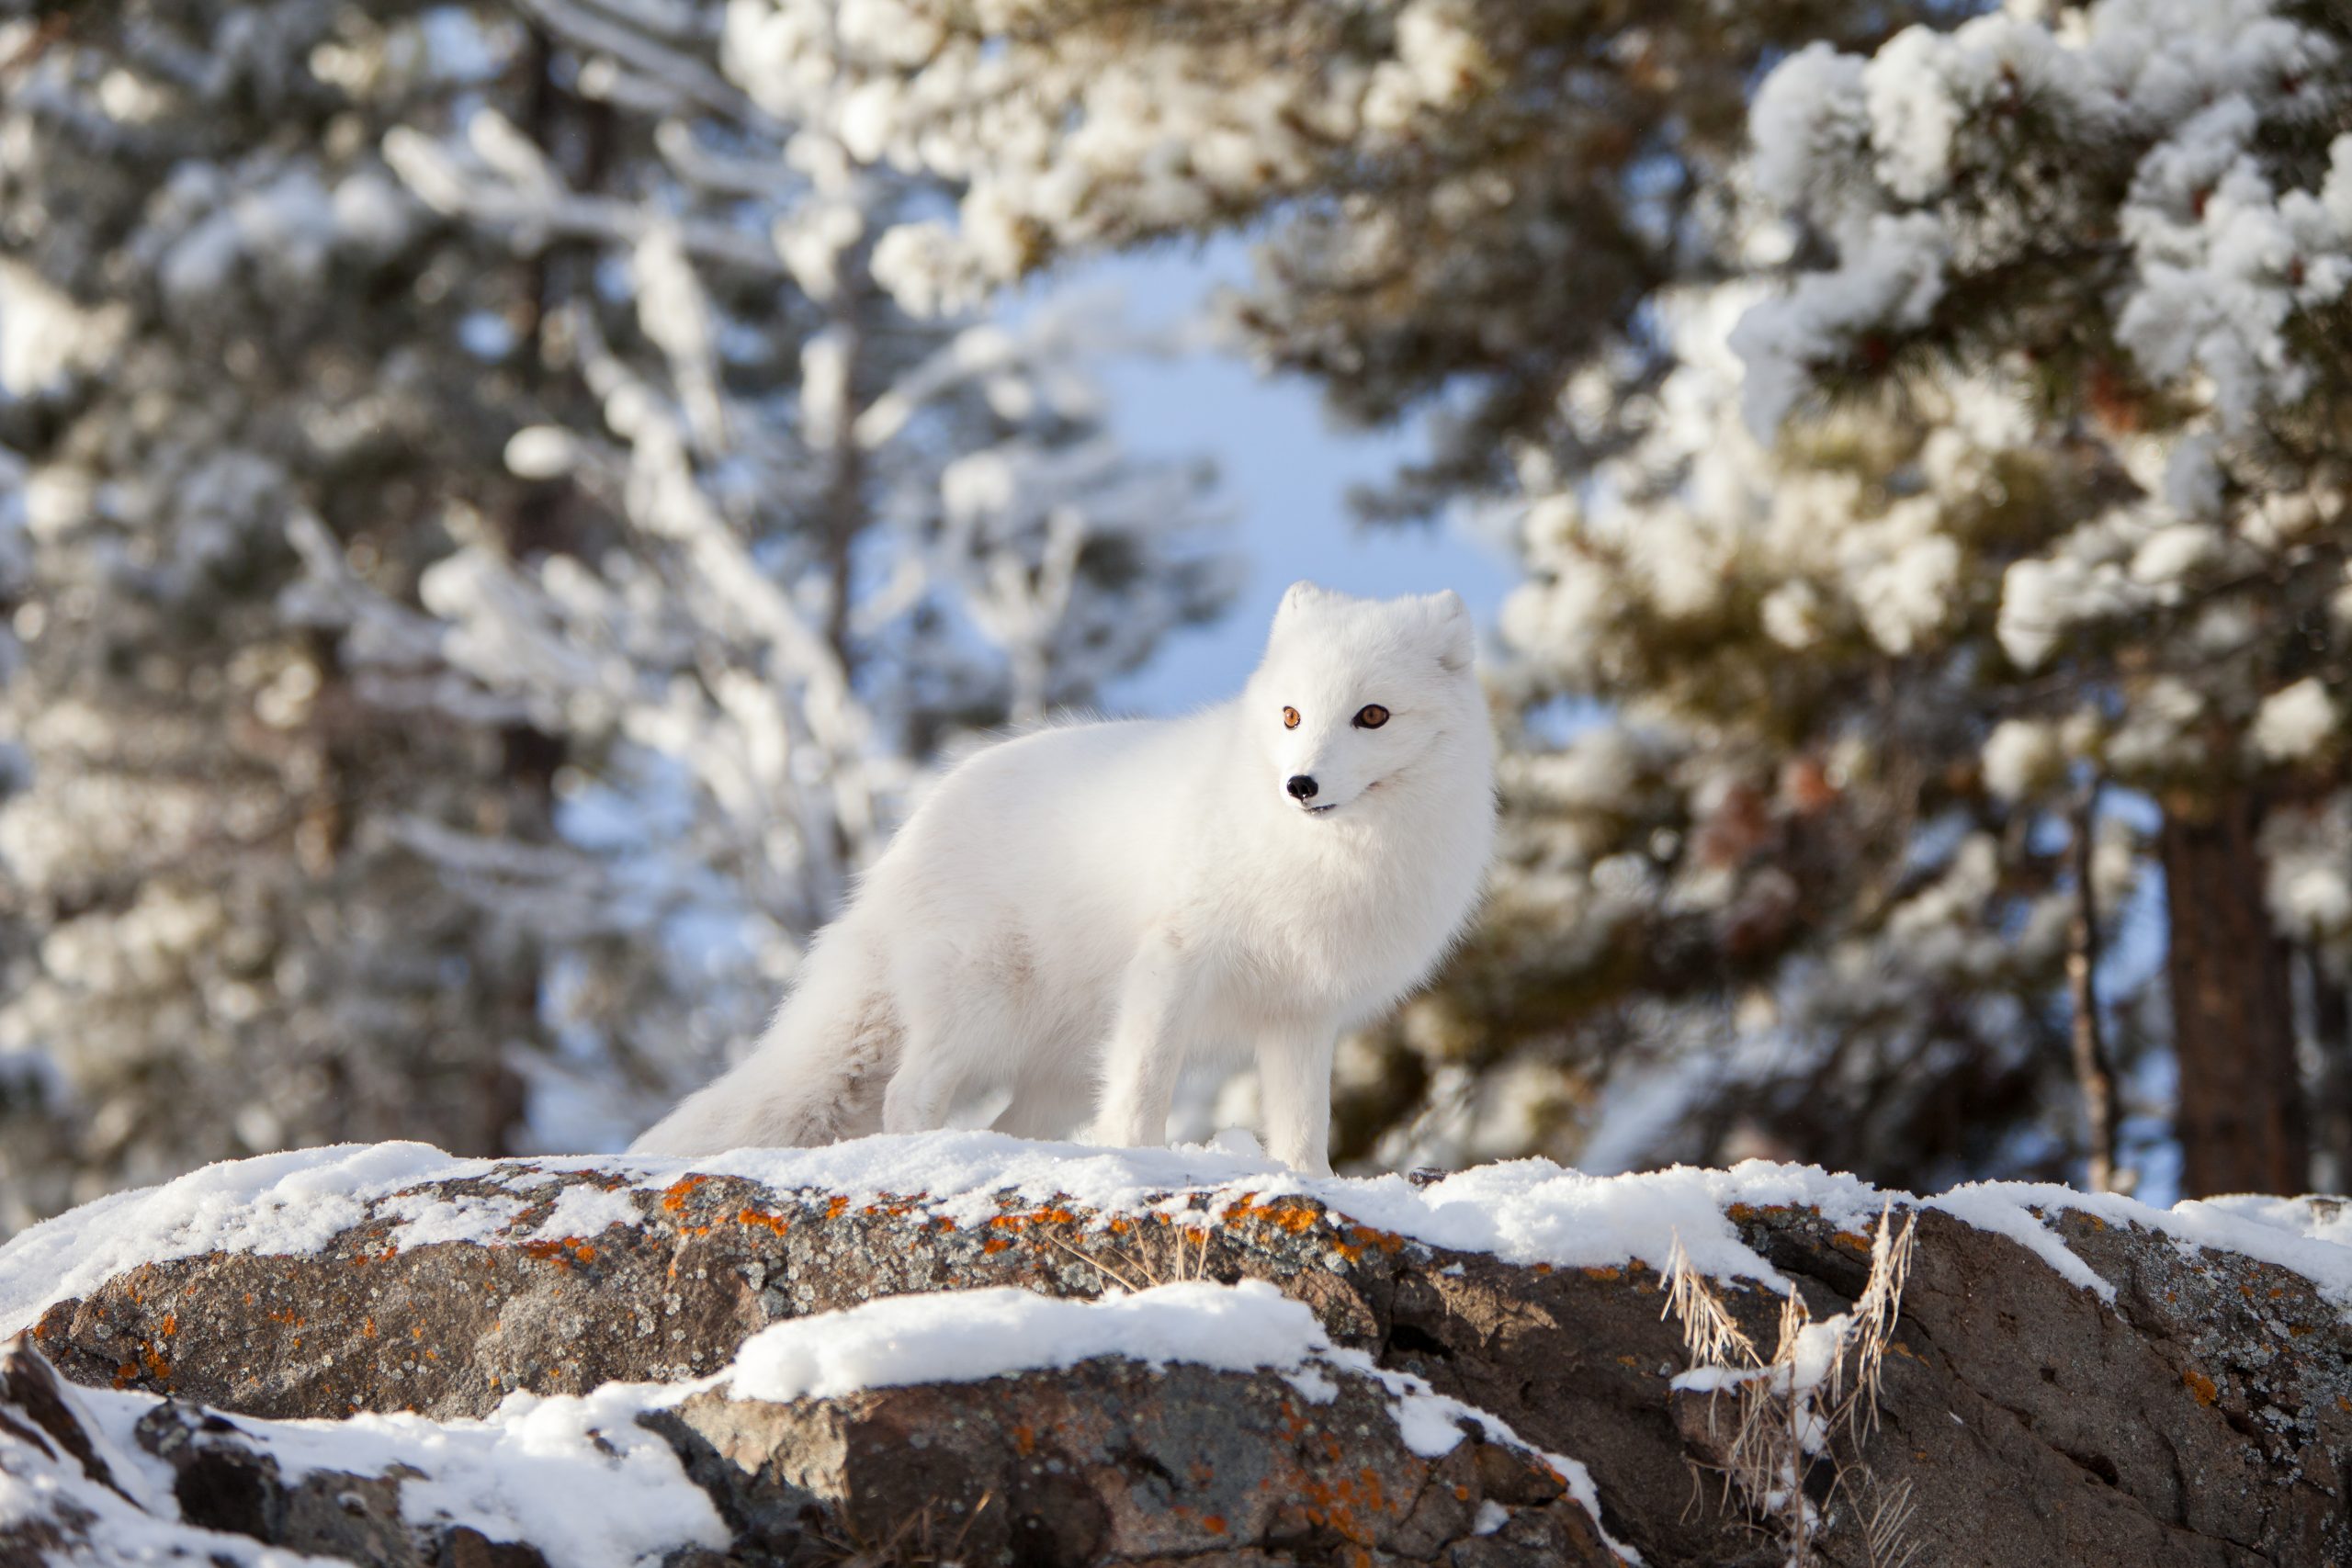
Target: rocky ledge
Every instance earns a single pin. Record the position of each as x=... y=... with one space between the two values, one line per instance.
x=965 y=1348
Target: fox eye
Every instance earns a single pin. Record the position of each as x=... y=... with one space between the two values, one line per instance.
x=1372 y=716
x=1290 y=718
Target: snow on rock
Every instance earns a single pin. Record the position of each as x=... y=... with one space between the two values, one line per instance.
x=575 y=1476
x=288 y=1204
x=1527 y=1211
x=1500 y=1330
x=603 y=1480
x=967 y=1335
x=962 y=1336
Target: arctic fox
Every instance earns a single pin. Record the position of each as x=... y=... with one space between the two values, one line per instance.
x=1077 y=914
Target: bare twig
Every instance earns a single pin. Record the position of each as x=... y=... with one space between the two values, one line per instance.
x=1097 y=1264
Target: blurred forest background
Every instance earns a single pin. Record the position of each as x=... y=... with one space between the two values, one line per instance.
x=501 y=507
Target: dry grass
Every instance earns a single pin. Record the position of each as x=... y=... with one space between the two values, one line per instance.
x=1778 y=1427
x=1139 y=1273
x=915 y=1542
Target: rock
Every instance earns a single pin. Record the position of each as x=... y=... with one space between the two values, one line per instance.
x=1115 y=1463
x=1110 y=1461
x=2203 y=1414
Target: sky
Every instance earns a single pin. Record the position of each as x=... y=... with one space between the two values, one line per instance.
x=1285 y=471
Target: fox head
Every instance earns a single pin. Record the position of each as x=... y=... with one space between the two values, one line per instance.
x=1357 y=695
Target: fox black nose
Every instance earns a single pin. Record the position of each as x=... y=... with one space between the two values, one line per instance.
x=1301 y=787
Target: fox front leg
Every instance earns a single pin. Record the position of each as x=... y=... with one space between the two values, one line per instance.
x=1146 y=1050
x=1294 y=1089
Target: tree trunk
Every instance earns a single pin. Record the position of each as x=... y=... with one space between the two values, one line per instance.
x=2240 y=1116
x=2331 y=1034
x=2094 y=1071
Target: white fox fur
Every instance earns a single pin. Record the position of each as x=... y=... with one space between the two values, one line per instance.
x=1077 y=914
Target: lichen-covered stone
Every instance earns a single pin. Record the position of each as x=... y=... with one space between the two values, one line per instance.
x=1107 y=1463
x=2203 y=1416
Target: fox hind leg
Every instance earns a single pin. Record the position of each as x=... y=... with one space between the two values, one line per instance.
x=1043 y=1111
x=1146 y=1049
x=917 y=1100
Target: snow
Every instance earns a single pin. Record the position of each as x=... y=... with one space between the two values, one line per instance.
x=2023 y=757
x=426 y=1219
x=582 y=1479
x=967 y=1335
x=1890 y=276
x=1528 y=1212
x=2294 y=723
x=2002 y=1209
x=585 y=1210
x=576 y=1476
x=2306 y=1238
x=291 y=1203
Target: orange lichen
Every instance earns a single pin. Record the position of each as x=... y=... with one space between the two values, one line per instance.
x=674 y=1198
x=2200 y=1385
x=1852 y=1241
x=153 y=1359
x=1024 y=1439
x=1604 y=1273
x=1212 y=1523
x=1019 y=1221
x=369 y=1328
x=995 y=1244
x=775 y=1223
x=170 y=1326
x=1283 y=1213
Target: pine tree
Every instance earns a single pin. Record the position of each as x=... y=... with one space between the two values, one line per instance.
x=225 y=322
x=2136 y=220
x=839 y=538
x=481 y=562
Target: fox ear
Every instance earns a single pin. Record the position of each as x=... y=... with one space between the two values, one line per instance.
x=1300 y=595
x=1457 y=646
